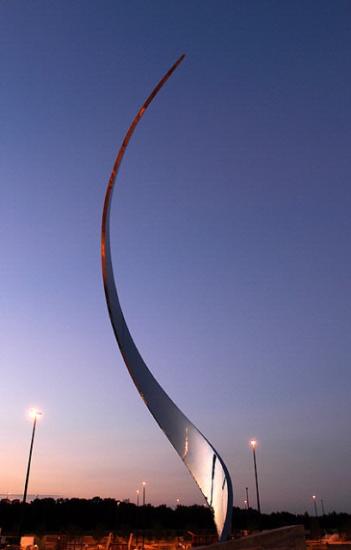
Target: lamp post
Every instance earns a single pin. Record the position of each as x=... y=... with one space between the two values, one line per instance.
x=137 y=497
x=322 y=505
x=35 y=414
x=253 y=444
x=247 y=497
x=144 y=484
x=246 y=506
x=143 y=512
x=315 y=506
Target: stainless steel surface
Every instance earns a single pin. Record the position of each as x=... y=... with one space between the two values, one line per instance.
x=202 y=460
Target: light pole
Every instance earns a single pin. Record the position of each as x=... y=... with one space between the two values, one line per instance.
x=137 y=497
x=35 y=414
x=178 y=501
x=246 y=506
x=143 y=512
x=144 y=484
x=253 y=444
x=247 y=497
x=315 y=506
x=322 y=505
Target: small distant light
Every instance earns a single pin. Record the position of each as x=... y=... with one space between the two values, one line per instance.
x=253 y=443
x=314 y=497
x=144 y=483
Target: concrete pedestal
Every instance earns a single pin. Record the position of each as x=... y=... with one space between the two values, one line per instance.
x=285 y=538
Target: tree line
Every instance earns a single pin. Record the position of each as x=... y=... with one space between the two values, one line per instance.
x=84 y=516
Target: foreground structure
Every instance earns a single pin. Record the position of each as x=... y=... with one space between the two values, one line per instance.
x=284 y=538
x=202 y=460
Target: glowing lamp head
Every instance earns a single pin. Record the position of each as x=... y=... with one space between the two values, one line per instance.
x=144 y=483
x=253 y=443
x=137 y=491
x=314 y=497
x=35 y=413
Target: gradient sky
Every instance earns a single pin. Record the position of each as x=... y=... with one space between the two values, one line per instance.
x=231 y=242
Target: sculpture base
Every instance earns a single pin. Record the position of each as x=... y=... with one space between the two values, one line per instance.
x=284 y=538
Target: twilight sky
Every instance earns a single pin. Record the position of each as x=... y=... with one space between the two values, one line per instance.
x=231 y=241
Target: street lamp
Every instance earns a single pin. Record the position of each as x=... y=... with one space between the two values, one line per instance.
x=35 y=414
x=144 y=484
x=137 y=497
x=253 y=444
x=315 y=506
x=245 y=503
x=247 y=497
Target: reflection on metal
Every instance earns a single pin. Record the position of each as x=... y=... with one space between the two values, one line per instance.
x=204 y=463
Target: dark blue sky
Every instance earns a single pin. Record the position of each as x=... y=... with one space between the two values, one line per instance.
x=231 y=238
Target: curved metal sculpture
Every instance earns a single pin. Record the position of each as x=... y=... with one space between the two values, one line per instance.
x=202 y=460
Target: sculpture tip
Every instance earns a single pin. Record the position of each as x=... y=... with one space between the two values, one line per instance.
x=179 y=60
